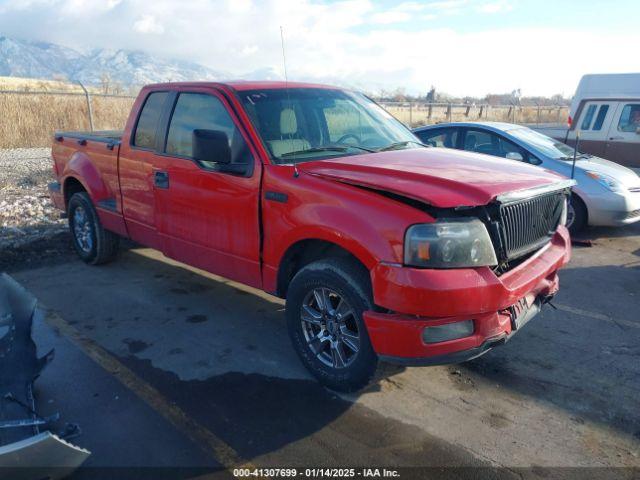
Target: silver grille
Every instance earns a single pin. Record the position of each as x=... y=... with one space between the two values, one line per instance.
x=529 y=224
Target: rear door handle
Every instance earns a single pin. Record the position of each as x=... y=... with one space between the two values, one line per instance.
x=616 y=138
x=161 y=179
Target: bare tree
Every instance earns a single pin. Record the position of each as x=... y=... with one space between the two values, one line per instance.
x=105 y=82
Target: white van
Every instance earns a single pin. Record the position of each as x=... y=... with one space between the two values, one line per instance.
x=606 y=111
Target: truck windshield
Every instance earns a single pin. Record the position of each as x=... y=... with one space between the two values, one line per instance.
x=547 y=145
x=304 y=124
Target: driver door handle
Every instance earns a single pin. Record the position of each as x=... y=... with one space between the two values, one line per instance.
x=161 y=179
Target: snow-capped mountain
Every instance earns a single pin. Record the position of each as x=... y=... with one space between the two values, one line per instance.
x=22 y=58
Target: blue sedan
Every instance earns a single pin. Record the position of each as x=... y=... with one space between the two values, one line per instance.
x=606 y=193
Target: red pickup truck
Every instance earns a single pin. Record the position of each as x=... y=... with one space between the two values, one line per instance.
x=384 y=249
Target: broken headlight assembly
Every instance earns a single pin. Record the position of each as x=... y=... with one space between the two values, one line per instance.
x=449 y=243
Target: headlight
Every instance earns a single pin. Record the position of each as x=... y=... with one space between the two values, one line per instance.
x=449 y=243
x=606 y=181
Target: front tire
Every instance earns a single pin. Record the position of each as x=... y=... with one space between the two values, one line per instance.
x=325 y=303
x=92 y=242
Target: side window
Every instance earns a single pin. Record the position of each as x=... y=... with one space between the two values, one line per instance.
x=446 y=138
x=199 y=111
x=506 y=147
x=588 y=117
x=481 y=142
x=630 y=118
x=602 y=114
x=145 y=136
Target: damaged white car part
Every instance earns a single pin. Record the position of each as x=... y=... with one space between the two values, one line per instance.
x=27 y=449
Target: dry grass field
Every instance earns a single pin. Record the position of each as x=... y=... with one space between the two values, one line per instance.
x=30 y=118
x=416 y=115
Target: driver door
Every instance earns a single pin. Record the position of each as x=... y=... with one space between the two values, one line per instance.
x=208 y=218
x=623 y=139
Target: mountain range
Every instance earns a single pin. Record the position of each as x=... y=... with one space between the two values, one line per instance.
x=30 y=59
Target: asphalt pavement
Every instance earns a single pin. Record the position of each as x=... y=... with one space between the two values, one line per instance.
x=164 y=365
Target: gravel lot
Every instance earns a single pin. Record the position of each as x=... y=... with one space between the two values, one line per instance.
x=29 y=224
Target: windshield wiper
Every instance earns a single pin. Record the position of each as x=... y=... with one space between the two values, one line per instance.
x=333 y=148
x=579 y=156
x=395 y=145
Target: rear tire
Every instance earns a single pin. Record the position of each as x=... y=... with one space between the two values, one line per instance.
x=92 y=242
x=332 y=341
x=577 y=211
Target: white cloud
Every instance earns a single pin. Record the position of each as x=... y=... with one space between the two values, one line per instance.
x=249 y=50
x=338 y=43
x=403 y=12
x=148 y=24
x=386 y=18
x=496 y=7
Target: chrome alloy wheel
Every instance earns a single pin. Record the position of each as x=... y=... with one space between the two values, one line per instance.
x=82 y=230
x=330 y=327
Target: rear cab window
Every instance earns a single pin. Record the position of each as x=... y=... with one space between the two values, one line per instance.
x=146 y=128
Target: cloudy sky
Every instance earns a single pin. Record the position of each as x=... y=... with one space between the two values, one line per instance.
x=464 y=47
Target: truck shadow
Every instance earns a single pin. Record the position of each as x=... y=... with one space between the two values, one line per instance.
x=221 y=352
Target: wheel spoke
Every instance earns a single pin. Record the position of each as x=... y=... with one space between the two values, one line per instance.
x=337 y=355
x=316 y=343
x=321 y=299
x=311 y=315
x=350 y=339
x=343 y=310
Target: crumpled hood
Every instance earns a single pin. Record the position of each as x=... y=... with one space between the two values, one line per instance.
x=441 y=177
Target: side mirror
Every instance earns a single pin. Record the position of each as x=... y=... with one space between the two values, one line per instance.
x=211 y=146
x=638 y=130
x=514 y=156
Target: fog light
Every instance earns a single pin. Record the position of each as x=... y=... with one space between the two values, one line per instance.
x=448 y=331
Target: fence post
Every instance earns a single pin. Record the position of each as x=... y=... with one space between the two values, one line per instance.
x=449 y=113
x=430 y=110
x=410 y=114
x=90 y=110
x=538 y=119
x=558 y=115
